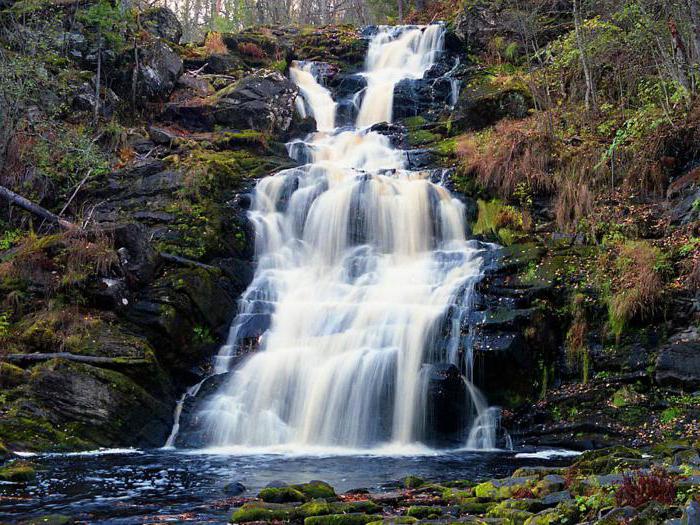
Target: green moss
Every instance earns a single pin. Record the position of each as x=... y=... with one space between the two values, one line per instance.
x=423 y=512
x=499 y=489
x=510 y=515
x=475 y=506
x=395 y=520
x=499 y=222
x=258 y=511
x=318 y=507
x=346 y=507
x=412 y=482
x=281 y=495
x=11 y=375
x=421 y=137
x=18 y=472
x=342 y=519
x=316 y=489
x=413 y=123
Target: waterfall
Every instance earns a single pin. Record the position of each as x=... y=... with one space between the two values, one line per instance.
x=363 y=278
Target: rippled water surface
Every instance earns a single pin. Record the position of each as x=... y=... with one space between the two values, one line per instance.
x=132 y=486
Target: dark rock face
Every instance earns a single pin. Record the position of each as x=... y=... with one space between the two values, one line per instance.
x=678 y=364
x=476 y=26
x=161 y=22
x=263 y=101
x=447 y=403
x=478 y=110
x=159 y=69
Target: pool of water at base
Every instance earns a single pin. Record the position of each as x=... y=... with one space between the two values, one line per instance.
x=159 y=486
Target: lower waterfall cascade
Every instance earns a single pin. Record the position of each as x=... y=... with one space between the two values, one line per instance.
x=364 y=277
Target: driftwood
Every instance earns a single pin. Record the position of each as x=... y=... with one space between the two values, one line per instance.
x=88 y=359
x=34 y=209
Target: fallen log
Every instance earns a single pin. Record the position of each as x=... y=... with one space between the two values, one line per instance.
x=35 y=209
x=27 y=359
x=183 y=261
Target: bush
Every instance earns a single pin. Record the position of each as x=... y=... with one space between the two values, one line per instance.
x=639 y=488
x=251 y=50
x=214 y=44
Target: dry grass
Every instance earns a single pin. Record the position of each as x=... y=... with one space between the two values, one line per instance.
x=640 y=285
x=251 y=50
x=214 y=44
x=573 y=202
x=516 y=153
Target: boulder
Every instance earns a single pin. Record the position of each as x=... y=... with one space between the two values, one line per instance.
x=262 y=101
x=159 y=70
x=161 y=22
x=678 y=364
x=476 y=24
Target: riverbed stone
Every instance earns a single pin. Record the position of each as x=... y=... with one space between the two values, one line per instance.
x=343 y=519
x=281 y=495
x=503 y=488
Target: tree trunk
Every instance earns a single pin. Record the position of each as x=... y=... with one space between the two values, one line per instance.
x=695 y=17
x=400 y=6
x=591 y=102
x=34 y=209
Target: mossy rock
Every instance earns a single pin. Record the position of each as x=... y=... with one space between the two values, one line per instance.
x=11 y=375
x=451 y=495
x=412 y=482
x=317 y=507
x=343 y=519
x=475 y=506
x=347 y=507
x=395 y=520
x=562 y=514
x=18 y=472
x=281 y=495
x=607 y=460
x=316 y=489
x=510 y=515
x=261 y=511
x=50 y=519
x=498 y=489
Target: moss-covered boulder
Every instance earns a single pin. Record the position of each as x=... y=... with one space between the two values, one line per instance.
x=498 y=489
x=261 y=511
x=18 y=472
x=343 y=519
x=316 y=489
x=281 y=495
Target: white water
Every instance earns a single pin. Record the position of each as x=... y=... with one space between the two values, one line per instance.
x=359 y=262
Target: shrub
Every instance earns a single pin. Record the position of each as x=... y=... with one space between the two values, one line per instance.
x=214 y=44
x=523 y=493
x=251 y=50
x=639 y=488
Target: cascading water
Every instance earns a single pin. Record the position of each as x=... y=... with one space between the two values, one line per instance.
x=363 y=276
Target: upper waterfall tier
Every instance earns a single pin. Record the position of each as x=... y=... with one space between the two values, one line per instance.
x=363 y=276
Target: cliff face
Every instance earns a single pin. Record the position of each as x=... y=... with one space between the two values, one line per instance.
x=103 y=325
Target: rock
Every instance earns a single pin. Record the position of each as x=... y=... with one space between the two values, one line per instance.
x=555 y=498
x=159 y=70
x=18 y=471
x=234 y=488
x=691 y=513
x=85 y=100
x=11 y=375
x=550 y=483
x=281 y=495
x=262 y=101
x=678 y=365
x=261 y=511
x=446 y=399
x=137 y=257
x=343 y=519
x=689 y=483
x=422 y=512
x=503 y=488
x=412 y=482
x=50 y=519
x=687 y=457
x=316 y=489
x=161 y=136
x=616 y=516
x=478 y=109
x=161 y=22
x=475 y=25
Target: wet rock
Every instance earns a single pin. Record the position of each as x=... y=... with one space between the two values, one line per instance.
x=446 y=399
x=137 y=257
x=261 y=511
x=235 y=488
x=162 y=23
x=678 y=364
x=691 y=513
x=281 y=495
x=316 y=489
x=412 y=482
x=18 y=471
